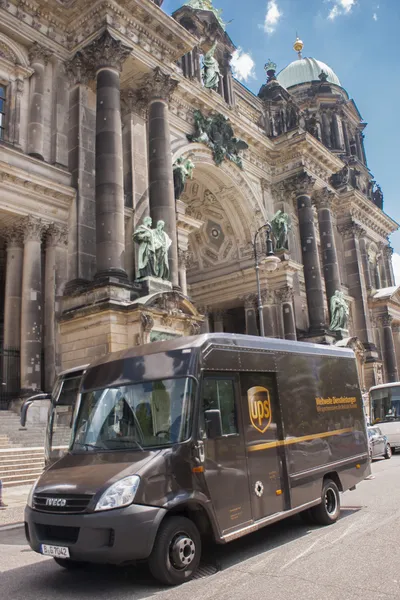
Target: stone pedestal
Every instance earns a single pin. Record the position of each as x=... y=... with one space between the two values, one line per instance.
x=153 y=285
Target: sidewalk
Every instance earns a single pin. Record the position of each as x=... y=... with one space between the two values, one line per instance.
x=16 y=498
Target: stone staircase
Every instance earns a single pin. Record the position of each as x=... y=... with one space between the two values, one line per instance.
x=21 y=450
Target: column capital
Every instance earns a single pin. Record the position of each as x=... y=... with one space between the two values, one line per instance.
x=249 y=300
x=323 y=198
x=396 y=328
x=303 y=184
x=388 y=250
x=79 y=69
x=33 y=229
x=56 y=235
x=157 y=85
x=14 y=236
x=385 y=320
x=285 y=294
x=106 y=51
x=39 y=54
x=351 y=230
x=268 y=297
x=133 y=102
x=184 y=258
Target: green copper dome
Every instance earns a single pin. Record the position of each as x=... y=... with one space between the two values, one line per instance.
x=305 y=70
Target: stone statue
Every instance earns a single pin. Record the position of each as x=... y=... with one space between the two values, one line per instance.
x=144 y=237
x=280 y=228
x=216 y=132
x=162 y=243
x=183 y=170
x=341 y=178
x=206 y=5
x=211 y=73
x=377 y=196
x=339 y=312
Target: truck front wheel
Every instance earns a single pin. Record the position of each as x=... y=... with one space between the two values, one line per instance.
x=328 y=511
x=177 y=550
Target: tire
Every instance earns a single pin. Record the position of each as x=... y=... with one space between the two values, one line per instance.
x=388 y=453
x=328 y=511
x=70 y=565
x=177 y=551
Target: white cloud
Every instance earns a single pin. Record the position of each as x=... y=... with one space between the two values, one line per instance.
x=272 y=17
x=341 y=7
x=242 y=65
x=375 y=17
x=396 y=267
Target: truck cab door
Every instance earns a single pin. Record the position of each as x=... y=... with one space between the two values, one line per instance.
x=225 y=466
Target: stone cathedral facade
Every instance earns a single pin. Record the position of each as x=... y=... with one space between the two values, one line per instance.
x=97 y=103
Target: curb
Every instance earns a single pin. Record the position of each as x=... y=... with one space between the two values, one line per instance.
x=11 y=526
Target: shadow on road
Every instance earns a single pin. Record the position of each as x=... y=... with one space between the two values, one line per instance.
x=44 y=579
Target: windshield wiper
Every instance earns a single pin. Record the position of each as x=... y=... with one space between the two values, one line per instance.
x=126 y=442
x=87 y=446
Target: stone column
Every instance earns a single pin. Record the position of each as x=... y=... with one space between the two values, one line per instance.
x=54 y=279
x=303 y=185
x=323 y=201
x=396 y=339
x=19 y=88
x=389 y=349
x=387 y=252
x=365 y=264
x=39 y=58
x=351 y=235
x=289 y=325
x=219 y=321
x=183 y=257
x=32 y=310
x=13 y=291
x=59 y=138
x=158 y=87
x=205 y=326
x=108 y=56
x=250 y=310
x=358 y=145
x=346 y=138
x=269 y=300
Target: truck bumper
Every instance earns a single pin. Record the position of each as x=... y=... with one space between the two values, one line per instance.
x=113 y=537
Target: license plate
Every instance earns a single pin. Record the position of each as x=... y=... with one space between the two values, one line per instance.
x=57 y=551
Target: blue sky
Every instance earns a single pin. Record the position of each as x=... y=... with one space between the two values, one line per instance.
x=359 y=39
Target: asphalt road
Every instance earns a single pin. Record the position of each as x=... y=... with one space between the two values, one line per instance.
x=357 y=558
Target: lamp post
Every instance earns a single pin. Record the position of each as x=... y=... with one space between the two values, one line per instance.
x=270 y=261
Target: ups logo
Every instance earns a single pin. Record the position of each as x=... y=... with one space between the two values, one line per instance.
x=259 y=408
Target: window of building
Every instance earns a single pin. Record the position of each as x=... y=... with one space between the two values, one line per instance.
x=2 y=111
x=219 y=394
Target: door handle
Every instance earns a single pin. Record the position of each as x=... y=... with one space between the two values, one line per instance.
x=200 y=452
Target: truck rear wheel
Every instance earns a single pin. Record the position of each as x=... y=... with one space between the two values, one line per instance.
x=177 y=550
x=328 y=511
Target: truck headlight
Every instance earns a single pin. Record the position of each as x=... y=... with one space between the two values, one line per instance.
x=29 y=500
x=121 y=493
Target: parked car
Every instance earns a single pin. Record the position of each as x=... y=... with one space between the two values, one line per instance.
x=378 y=444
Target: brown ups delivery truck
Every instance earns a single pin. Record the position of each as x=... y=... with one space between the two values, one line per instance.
x=215 y=435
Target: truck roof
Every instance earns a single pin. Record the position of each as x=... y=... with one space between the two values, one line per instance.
x=225 y=339
x=384 y=385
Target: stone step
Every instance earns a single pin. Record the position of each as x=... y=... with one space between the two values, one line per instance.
x=21 y=475
x=10 y=468
x=7 y=453
x=26 y=481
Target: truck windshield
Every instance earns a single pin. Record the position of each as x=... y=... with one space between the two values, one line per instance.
x=137 y=416
x=385 y=404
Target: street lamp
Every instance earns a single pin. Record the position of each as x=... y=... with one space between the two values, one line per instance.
x=270 y=263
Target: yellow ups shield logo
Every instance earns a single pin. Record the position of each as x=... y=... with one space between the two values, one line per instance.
x=259 y=408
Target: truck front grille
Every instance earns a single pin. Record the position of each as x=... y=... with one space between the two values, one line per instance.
x=61 y=503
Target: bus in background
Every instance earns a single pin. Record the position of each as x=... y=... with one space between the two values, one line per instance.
x=63 y=401
x=385 y=411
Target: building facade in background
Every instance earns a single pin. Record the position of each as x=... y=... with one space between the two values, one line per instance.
x=99 y=102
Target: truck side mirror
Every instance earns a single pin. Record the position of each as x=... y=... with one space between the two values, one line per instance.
x=213 y=423
x=26 y=405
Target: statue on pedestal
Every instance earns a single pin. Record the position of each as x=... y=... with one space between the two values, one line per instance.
x=162 y=243
x=183 y=170
x=211 y=72
x=280 y=228
x=339 y=312
x=144 y=237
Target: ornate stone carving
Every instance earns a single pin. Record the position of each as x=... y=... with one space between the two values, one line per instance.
x=133 y=102
x=157 y=85
x=302 y=183
x=147 y=322
x=106 y=51
x=194 y=328
x=216 y=132
x=268 y=297
x=323 y=198
x=33 y=229
x=14 y=236
x=351 y=230
x=184 y=258
x=79 y=70
x=285 y=294
x=38 y=53
x=57 y=235
x=388 y=251
x=249 y=300
x=341 y=178
x=385 y=320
